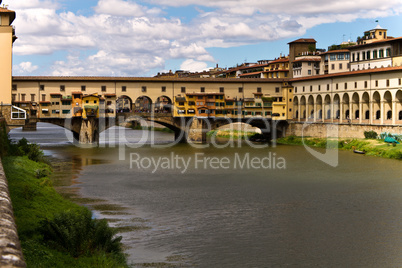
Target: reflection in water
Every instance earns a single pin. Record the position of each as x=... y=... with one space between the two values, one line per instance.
x=308 y=215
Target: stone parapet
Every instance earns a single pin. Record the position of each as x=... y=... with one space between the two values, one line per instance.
x=10 y=248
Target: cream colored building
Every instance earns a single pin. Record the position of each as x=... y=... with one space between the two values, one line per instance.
x=7 y=37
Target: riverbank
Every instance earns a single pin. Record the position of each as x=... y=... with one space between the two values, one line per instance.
x=36 y=204
x=373 y=147
x=230 y=134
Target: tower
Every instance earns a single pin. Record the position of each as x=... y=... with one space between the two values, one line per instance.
x=7 y=38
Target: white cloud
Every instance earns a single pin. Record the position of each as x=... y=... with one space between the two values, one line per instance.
x=24 y=68
x=194 y=66
x=123 y=37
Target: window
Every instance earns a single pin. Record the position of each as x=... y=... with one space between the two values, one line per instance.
x=22 y=97
x=14 y=87
x=336 y=86
x=83 y=88
x=365 y=84
x=41 y=87
x=340 y=56
x=319 y=87
x=18 y=113
x=221 y=89
x=376 y=83
x=399 y=81
x=374 y=54
x=13 y=97
x=258 y=90
x=295 y=89
x=332 y=57
x=202 y=89
x=143 y=89
x=311 y=88
x=355 y=84
x=368 y=55
x=327 y=86
x=163 y=89
x=340 y=66
x=32 y=97
x=309 y=72
x=381 y=53
x=43 y=97
x=347 y=56
x=303 y=88
x=387 y=82
x=123 y=88
x=388 y=52
x=240 y=89
x=332 y=66
x=103 y=88
x=346 y=85
x=62 y=87
x=277 y=90
x=309 y=63
x=183 y=89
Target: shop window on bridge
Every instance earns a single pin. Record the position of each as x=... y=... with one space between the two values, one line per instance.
x=65 y=111
x=18 y=113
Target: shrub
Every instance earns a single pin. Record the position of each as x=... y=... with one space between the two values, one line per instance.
x=370 y=134
x=79 y=235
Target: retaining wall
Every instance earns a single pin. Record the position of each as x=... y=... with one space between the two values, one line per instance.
x=10 y=248
x=323 y=130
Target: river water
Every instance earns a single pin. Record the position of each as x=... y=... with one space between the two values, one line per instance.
x=237 y=206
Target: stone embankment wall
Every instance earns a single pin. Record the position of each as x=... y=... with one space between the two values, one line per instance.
x=322 y=130
x=10 y=248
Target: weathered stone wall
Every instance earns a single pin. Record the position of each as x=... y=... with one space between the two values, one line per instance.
x=322 y=130
x=10 y=248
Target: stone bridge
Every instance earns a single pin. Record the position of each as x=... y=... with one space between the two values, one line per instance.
x=194 y=129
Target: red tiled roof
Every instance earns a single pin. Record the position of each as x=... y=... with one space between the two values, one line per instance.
x=304 y=40
x=307 y=59
x=279 y=60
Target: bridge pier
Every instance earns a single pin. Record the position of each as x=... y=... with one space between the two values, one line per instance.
x=197 y=132
x=89 y=131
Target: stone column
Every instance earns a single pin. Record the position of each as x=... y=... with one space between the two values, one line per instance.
x=360 y=112
x=394 y=112
x=382 y=114
x=340 y=111
x=315 y=114
x=89 y=132
x=371 y=112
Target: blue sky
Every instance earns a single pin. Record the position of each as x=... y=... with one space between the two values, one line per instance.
x=142 y=38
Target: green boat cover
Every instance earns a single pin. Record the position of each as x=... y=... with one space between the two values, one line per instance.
x=391 y=140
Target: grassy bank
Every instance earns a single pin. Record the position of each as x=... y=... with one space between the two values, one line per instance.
x=53 y=231
x=372 y=147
